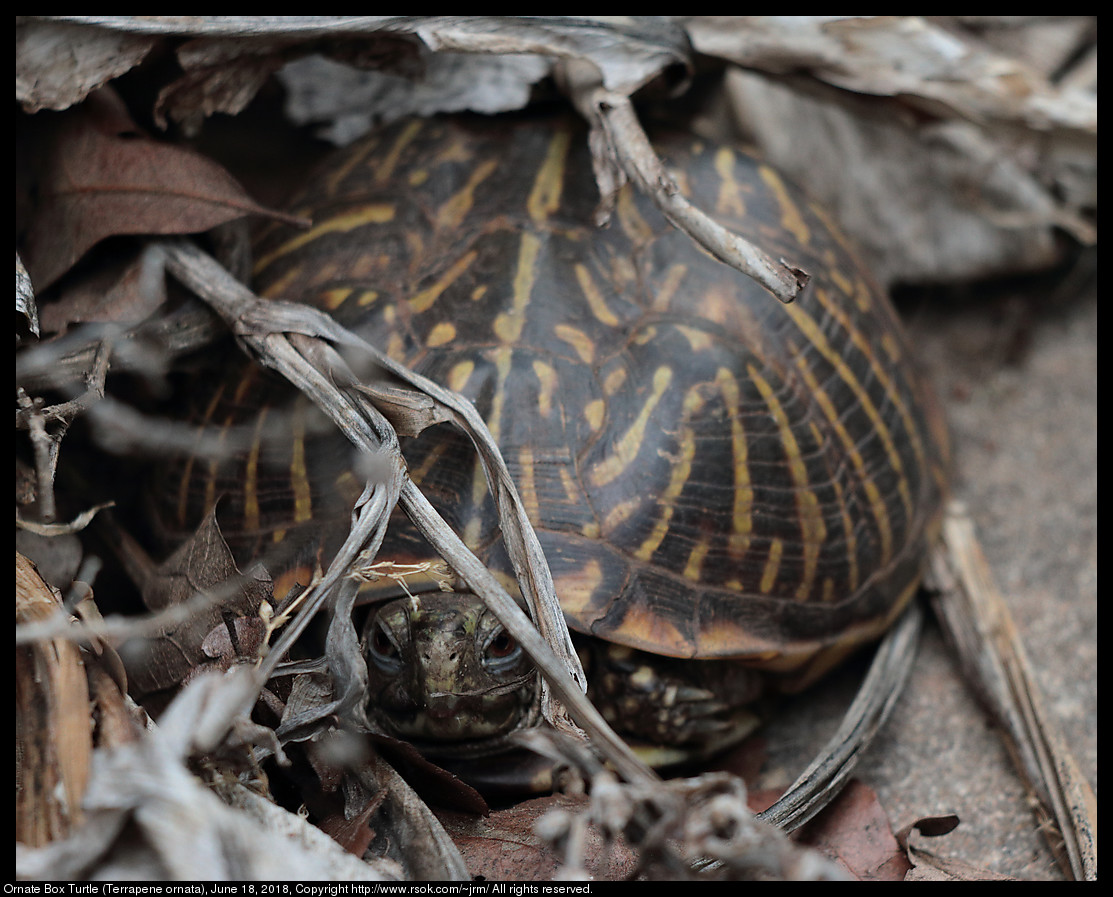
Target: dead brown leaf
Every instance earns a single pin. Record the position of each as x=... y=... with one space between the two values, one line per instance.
x=927 y=866
x=506 y=847
x=104 y=178
x=202 y=579
x=855 y=831
x=123 y=293
x=354 y=834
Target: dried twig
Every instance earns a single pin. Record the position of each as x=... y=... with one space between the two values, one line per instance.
x=621 y=150
x=695 y=829
x=825 y=777
x=76 y=525
x=65 y=360
x=978 y=624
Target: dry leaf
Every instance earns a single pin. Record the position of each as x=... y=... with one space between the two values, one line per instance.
x=854 y=831
x=203 y=564
x=927 y=866
x=52 y=724
x=123 y=293
x=58 y=64
x=103 y=178
x=354 y=834
x=506 y=847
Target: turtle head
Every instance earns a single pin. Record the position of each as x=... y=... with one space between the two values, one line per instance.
x=444 y=674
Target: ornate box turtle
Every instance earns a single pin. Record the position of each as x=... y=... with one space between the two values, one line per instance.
x=731 y=492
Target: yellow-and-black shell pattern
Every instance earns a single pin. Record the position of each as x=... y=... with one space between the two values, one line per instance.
x=711 y=473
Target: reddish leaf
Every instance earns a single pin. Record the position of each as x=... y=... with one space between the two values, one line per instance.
x=505 y=846
x=354 y=834
x=103 y=178
x=119 y=292
x=855 y=831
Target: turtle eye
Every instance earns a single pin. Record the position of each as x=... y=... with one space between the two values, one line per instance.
x=383 y=649
x=501 y=651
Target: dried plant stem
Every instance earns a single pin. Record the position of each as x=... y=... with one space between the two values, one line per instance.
x=978 y=624
x=822 y=781
x=621 y=150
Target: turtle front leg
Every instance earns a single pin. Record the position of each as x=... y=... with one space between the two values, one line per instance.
x=680 y=709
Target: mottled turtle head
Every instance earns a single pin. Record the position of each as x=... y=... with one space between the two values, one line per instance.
x=444 y=673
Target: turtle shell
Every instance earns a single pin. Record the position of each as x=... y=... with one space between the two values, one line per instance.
x=711 y=473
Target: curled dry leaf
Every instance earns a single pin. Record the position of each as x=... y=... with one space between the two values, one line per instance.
x=123 y=293
x=945 y=159
x=25 y=297
x=103 y=178
x=927 y=866
x=148 y=816
x=58 y=64
x=912 y=57
x=229 y=55
x=183 y=582
x=52 y=727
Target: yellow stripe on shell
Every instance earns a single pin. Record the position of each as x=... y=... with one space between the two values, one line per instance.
x=881 y=373
x=459 y=374
x=626 y=449
x=299 y=475
x=620 y=513
x=547 y=384
x=813 y=530
x=384 y=170
x=423 y=301
x=594 y=412
x=187 y=471
x=442 y=333
x=876 y=502
x=662 y=299
x=251 y=515
x=580 y=342
x=816 y=337
x=508 y=324
x=330 y=300
x=678 y=476
x=791 y=219
x=544 y=196
x=503 y=356
x=693 y=570
x=595 y=300
x=630 y=219
x=742 y=506
x=730 y=201
x=527 y=486
x=612 y=383
x=452 y=213
x=350 y=219
x=772 y=567
x=576 y=588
